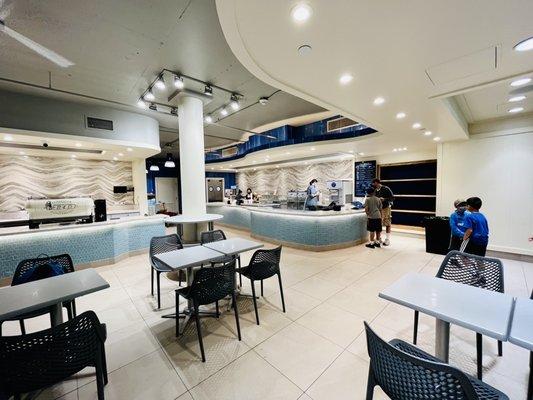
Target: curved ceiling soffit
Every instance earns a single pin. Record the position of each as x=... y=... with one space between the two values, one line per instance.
x=226 y=10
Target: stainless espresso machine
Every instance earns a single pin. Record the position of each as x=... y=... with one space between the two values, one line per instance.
x=214 y=190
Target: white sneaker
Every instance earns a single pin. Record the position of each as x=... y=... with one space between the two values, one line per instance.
x=386 y=242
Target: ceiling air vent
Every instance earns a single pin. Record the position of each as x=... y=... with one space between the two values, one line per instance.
x=340 y=123
x=97 y=123
x=229 y=152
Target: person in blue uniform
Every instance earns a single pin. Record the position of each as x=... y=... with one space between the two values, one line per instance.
x=457 y=221
x=311 y=201
x=477 y=228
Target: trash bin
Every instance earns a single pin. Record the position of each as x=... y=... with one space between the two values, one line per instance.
x=437 y=234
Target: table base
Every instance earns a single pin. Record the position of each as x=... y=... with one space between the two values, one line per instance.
x=187 y=314
x=442 y=340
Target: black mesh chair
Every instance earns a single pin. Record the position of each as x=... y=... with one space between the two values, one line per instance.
x=215 y=236
x=405 y=372
x=209 y=285
x=263 y=265
x=39 y=268
x=158 y=245
x=469 y=269
x=41 y=359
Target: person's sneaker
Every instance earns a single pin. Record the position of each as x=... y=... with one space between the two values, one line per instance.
x=377 y=244
x=370 y=245
x=386 y=242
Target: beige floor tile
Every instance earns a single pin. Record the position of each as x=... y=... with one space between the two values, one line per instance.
x=359 y=347
x=150 y=377
x=296 y=303
x=101 y=300
x=247 y=378
x=64 y=390
x=299 y=354
x=359 y=300
x=333 y=323
x=345 y=272
x=221 y=347
x=318 y=288
x=119 y=316
x=185 y=396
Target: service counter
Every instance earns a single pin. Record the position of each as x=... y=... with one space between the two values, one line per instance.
x=89 y=245
x=309 y=230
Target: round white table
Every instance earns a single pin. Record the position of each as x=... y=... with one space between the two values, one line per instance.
x=178 y=220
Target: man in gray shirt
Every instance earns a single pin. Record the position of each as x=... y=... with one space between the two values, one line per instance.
x=373 y=212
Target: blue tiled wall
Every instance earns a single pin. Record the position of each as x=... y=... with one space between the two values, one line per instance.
x=85 y=244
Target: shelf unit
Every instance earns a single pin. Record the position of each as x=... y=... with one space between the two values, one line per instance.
x=414 y=185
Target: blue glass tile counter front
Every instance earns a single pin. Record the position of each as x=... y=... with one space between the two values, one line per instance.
x=316 y=231
x=91 y=244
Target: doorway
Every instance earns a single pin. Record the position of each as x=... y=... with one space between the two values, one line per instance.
x=166 y=191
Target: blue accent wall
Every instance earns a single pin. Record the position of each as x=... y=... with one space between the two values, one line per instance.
x=163 y=173
x=288 y=135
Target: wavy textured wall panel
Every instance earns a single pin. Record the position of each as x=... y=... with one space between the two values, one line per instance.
x=280 y=180
x=22 y=177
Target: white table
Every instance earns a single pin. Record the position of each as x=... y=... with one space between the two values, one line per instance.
x=187 y=258
x=49 y=293
x=179 y=220
x=522 y=326
x=480 y=310
x=233 y=246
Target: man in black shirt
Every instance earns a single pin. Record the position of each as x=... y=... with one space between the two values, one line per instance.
x=387 y=197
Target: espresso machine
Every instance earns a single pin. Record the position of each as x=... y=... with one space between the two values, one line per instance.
x=340 y=191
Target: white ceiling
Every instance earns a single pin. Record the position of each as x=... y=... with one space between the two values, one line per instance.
x=118 y=48
x=417 y=55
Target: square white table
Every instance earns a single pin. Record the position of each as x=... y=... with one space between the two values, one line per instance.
x=187 y=258
x=522 y=325
x=49 y=293
x=480 y=310
x=233 y=246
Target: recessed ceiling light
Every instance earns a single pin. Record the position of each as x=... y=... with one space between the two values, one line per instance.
x=520 y=82
x=73 y=155
x=304 y=49
x=277 y=166
x=345 y=79
x=400 y=115
x=516 y=98
x=524 y=45
x=516 y=110
x=288 y=153
x=120 y=154
x=361 y=153
x=313 y=149
x=78 y=144
x=417 y=125
x=301 y=12
x=115 y=159
x=129 y=149
x=404 y=149
x=379 y=101
x=436 y=138
x=8 y=138
x=350 y=151
x=21 y=153
x=427 y=133
x=395 y=150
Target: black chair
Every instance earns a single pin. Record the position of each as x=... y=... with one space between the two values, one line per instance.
x=215 y=236
x=209 y=285
x=41 y=359
x=38 y=268
x=263 y=265
x=158 y=245
x=405 y=372
x=469 y=269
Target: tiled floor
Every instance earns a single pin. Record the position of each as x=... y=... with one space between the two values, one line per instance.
x=315 y=351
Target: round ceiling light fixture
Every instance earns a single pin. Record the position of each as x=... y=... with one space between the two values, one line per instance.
x=417 y=125
x=520 y=82
x=401 y=115
x=379 y=101
x=301 y=12
x=524 y=45
x=516 y=98
x=345 y=78
x=436 y=139
x=304 y=49
x=428 y=133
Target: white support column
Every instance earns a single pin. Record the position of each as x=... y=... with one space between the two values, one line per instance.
x=192 y=161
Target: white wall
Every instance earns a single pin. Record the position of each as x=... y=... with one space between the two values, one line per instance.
x=499 y=170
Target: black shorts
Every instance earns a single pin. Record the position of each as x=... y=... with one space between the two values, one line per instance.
x=455 y=243
x=477 y=249
x=374 y=225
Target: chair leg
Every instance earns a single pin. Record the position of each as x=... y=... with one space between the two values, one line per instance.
x=152 y=276
x=281 y=292
x=99 y=376
x=22 y=327
x=500 y=348
x=255 y=302
x=158 y=290
x=74 y=314
x=104 y=365
x=262 y=288
x=177 y=314
x=415 y=328
x=233 y=298
x=370 y=385
x=199 y=329
x=217 y=309
x=479 y=348
x=240 y=275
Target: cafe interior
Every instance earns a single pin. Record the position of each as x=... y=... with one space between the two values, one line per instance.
x=245 y=199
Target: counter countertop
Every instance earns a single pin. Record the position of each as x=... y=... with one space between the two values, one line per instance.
x=18 y=230
x=284 y=211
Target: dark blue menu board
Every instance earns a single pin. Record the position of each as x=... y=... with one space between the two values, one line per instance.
x=365 y=171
